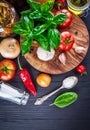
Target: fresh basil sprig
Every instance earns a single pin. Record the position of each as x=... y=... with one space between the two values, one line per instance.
x=65 y=99
x=39 y=24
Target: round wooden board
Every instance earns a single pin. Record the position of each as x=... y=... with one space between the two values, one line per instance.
x=54 y=66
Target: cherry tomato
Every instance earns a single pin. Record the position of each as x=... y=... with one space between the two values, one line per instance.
x=67 y=21
x=7 y=69
x=67 y=41
x=43 y=80
x=81 y=69
x=59 y=4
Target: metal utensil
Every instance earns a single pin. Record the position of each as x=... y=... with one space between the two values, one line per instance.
x=67 y=83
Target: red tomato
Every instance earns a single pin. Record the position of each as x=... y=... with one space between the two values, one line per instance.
x=68 y=20
x=59 y=4
x=67 y=41
x=81 y=69
x=7 y=69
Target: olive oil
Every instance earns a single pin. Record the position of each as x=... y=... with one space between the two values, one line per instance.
x=78 y=7
x=79 y=3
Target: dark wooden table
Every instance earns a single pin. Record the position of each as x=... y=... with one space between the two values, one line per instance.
x=44 y=117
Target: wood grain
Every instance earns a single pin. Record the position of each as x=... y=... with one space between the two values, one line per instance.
x=54 y=66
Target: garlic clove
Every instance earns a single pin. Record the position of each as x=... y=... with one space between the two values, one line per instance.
x=79 y=49
x=62 y=58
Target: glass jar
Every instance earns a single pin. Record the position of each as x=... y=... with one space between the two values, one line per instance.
x=8 y=17
x=13 y=94
x=78 y=7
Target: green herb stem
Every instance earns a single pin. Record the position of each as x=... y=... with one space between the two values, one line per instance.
x=19 y=63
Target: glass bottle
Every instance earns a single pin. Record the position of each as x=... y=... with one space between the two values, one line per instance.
x=13 y=94
x=78 y=7
x=8 y=17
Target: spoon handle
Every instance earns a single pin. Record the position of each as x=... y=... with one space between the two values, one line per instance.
x=39 y=101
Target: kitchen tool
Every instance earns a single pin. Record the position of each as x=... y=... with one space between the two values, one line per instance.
x=67 y=83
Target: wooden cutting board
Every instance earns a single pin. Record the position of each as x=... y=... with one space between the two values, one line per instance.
x=54 y=66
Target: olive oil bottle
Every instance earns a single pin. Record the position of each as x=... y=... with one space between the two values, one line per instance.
x=79 y=3
x=78 y=7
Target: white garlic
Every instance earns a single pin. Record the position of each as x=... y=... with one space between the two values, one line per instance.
x=62 y=58
x=79 y=49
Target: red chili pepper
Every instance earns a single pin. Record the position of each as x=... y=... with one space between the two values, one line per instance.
x=26 y=78
x=67 y=41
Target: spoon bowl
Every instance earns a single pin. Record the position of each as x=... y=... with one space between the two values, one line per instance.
x=70 y=82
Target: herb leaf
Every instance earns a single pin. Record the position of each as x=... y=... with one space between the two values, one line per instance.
x=48 y=16
x=18 y=29
x=43 y=42
x=65 y=99
x=26 y=12
x=60 y=18
x=26 y=44
x=47 y=6
x=40 y=29
x=34 y=5
x=35 y=14
x=54 y=37
x=27 y=23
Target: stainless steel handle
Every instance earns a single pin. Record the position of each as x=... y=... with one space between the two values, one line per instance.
x=40 y=100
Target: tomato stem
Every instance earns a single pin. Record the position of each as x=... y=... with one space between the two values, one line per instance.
x=5 y=69
x=59 y=5
x=67 y=41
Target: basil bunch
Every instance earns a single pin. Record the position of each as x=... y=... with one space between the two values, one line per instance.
x=39 y=24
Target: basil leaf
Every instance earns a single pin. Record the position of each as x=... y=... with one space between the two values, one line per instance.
x=18 y=29
x=26 y=12
x=43 y=42
x=40 y=29
x=27 y=23
x=26 y=44
x=54 y=37
x=47 y=16
x=35 y=14
x=34 y=5
x=58 y=19
x=65 y=99
x=47 y=6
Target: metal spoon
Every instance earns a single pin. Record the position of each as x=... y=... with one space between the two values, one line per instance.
x=67 y=83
